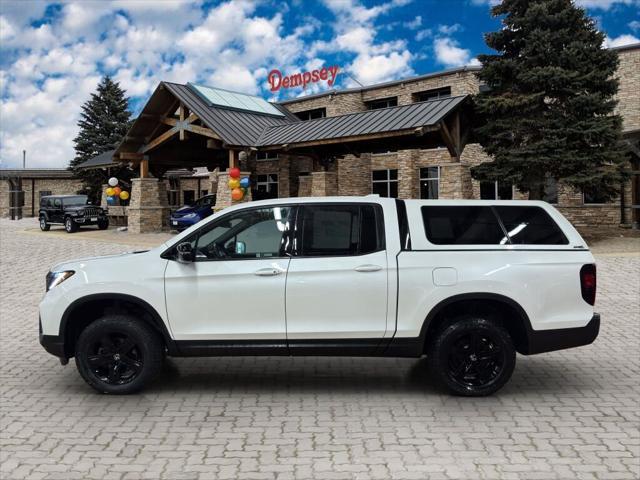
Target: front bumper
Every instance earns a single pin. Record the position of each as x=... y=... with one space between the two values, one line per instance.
x=541 y=341
x=53 y=344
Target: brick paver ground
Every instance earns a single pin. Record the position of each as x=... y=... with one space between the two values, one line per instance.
x=568 y=414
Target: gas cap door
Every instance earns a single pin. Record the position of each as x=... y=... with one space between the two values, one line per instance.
x=445 y=276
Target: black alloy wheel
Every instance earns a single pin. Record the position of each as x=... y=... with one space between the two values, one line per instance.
x=472 y=356
x=115 y=358
x=44 y=226
x=103 y=224
x=475 y=359
x=119 y=354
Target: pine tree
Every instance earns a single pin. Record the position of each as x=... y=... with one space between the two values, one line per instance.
x=103 y=123
x=548 y=111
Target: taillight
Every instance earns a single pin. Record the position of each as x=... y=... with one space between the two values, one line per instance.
x=588 y=283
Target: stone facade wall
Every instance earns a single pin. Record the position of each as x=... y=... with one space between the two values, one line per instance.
x=629 y=89
x=324 y=184
x=354 y=175
x=32 y=189
x=304 y=186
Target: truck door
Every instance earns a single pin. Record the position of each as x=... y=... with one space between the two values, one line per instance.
x=336 y=292
x=235 y=288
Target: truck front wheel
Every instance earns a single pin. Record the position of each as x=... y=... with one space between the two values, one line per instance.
x=118 y=354
x=472 y=356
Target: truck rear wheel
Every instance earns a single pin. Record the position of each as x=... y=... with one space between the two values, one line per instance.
x=118 y=354
x=472 y=356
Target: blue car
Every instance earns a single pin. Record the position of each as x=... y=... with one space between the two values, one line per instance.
x=189 y=215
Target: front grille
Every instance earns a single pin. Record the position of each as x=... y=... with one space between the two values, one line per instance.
x=92 y=211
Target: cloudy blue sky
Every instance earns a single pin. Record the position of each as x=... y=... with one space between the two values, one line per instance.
x=53 y=53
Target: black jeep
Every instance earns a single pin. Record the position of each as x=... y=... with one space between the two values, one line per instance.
x=72 y=211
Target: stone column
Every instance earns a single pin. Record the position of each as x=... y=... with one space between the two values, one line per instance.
x=223 y=195
x=408 y=178
x=148 y=210
x=324 y=184
x=354 y=175
x=304 y=186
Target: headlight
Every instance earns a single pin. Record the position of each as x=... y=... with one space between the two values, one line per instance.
x=56 y=278
x=190 y=215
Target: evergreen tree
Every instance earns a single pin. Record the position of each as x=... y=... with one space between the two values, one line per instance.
x=103 y=123
x=548 y=111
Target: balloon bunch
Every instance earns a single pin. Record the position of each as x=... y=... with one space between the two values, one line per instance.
x=114 y=192
x=238 y=186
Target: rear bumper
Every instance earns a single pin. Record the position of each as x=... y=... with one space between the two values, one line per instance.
x=541 y=341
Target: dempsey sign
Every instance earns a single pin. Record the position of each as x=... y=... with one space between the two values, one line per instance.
x=277 y=80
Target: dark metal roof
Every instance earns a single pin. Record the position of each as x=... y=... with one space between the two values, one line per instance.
x=235 y=127
x=102 y=160
x=391 y=119
x=35 y=173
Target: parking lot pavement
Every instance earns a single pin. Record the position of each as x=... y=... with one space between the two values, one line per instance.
x=568 y=414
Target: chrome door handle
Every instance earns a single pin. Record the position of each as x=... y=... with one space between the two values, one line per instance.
x=368 y=268
x=268 y=272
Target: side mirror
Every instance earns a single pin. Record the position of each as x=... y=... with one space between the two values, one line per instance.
x=185 y=252
x=241 y=248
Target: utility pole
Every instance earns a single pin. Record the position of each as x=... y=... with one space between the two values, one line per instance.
x=24 y=159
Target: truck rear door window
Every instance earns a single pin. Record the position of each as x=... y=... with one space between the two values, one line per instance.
x=465 y=225
x=340 y=230
x=530 y=226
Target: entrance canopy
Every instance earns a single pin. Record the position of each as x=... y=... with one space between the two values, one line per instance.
x=193 y=125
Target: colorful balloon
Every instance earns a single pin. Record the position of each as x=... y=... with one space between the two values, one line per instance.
x=245 y=182
x=111 y=200
x=109 y=192
x=234 y=172
x=124 y=195
x=116 y=191
x=234 y=183
x=237 y=194
x=113 y=181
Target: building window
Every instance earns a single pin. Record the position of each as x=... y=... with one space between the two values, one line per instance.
x=433 y=94
x=429 y=183
x=173 y=193
x=267 y=186
x=385 y=183
x=496 y=191
x=189 y=197
x=592 y=196
x=550 y=190
x=311 y=114
x=204 y=193
x=44 y=193
x=382 y=103
x=266 y=156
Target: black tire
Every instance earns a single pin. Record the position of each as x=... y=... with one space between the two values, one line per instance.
x=103 y=224
x=70 y=225
x=118 y=354
x=472 y=356
x=44 y=226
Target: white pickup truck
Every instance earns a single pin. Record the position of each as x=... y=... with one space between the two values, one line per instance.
x=466 y=283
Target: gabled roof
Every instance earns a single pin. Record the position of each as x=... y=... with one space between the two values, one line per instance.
x=103 y=160
x=235 y=127
x=384 y=120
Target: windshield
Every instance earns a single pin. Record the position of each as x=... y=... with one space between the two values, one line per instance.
x=75 y=201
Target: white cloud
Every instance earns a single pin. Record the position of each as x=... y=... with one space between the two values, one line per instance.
x=450 y=29
x=449 y=54
x=634 y=25
x=423 y=34
x=620 y=41
x=414 y=24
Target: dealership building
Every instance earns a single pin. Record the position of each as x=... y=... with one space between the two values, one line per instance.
x=407 y=139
